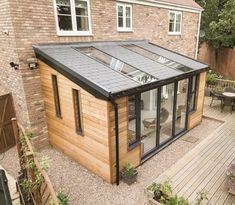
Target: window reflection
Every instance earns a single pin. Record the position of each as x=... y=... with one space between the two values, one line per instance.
x=118 y=65
x=181 y=106
x=166 y=112
x=148 y=120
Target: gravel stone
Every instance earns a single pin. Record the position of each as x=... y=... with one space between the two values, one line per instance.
x=85 y=188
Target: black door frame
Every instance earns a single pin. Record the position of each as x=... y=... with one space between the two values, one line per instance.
x=174 y=136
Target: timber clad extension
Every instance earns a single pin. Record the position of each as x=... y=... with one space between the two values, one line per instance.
x=78 y=111
x=137 y=104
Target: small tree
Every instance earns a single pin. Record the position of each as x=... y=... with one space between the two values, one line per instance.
x=218 y=22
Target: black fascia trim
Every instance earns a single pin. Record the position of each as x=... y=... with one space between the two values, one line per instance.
x=87 y=85
x=150 y=86
x=206 y=64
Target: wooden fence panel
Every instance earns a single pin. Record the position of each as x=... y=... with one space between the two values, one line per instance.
x=45 y=194
x=7 y=112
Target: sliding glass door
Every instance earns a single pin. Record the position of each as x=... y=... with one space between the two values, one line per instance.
x=158 y=116
x=166 y=112
x=148 y=116
x=181 y=106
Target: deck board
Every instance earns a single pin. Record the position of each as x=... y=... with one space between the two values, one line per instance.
x=203 y=168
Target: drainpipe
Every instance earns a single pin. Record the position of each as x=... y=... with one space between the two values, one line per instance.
x=198 y=34
x=117 y=139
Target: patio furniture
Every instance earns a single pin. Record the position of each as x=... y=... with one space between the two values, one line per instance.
x=150 y=123
x=229 y=89
x=228 y=99
x=215 y=96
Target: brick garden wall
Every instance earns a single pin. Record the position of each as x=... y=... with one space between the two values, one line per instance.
x=34 y=22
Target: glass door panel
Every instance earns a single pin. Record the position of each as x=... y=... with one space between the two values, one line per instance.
x=148 y=120
x=166 y=112
x=181 y=106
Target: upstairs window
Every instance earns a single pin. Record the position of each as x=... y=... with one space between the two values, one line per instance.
x=73 y=17
x=175 y=19
x=124 y=16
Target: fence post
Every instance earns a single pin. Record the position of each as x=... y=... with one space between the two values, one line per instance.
x=17 y=139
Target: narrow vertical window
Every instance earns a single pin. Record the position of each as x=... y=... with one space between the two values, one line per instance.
x=133 y=132
x=77 y=111
x=193 y=92
x=56 y=95
x=124 y=17
x=175 y=22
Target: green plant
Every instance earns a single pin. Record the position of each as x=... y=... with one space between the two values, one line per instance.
x=26 y=185
x=163 y=193
x=211 y=78
x=128 y=170
x=175 y=200
x=45 y=162
x=62 y=198
x=218 y=90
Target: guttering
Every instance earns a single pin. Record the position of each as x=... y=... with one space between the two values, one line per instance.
x=165 y=5
x=198 y=34
x=149 y=86
x=116 y=137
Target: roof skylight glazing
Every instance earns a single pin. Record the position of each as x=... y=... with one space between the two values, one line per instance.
x=157 y=58
x=118 y=65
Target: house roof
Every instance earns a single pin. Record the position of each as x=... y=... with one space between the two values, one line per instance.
x=186 y=3
x=113 y=69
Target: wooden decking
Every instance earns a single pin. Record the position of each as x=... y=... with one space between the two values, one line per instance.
x=203 y=168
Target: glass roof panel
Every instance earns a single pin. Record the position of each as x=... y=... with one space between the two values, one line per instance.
x=118 y=65
x=157 y=58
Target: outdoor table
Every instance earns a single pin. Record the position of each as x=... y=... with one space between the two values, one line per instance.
x=228 y=100
x=229 y=94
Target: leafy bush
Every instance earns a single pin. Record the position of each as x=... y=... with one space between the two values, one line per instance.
x=218 y=90
x=163 y=193
x=175 y=200
x=62 y=198
x=211 y=78
x=128 y=170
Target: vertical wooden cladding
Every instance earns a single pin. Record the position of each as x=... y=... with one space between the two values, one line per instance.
x=196 y=117
x=125 y=155
x=92 y=148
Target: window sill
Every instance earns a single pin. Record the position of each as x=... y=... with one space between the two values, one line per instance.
x=125 y=31
x=133 y=146
x=174 y=34
x=74 y=34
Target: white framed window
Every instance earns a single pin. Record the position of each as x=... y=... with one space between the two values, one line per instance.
x=73 y=17
x=124 y=17
x=175 y=19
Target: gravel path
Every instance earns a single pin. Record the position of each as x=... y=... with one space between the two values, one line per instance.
x=85 y=188
x=10 y=161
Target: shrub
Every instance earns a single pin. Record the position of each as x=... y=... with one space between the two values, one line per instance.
x=163 y=193
x=62 y=198
x=128 y=170
x=211 y=78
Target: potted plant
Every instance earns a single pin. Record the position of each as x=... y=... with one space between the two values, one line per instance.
x=231 y=178
x=162 y=194
x=129 y=174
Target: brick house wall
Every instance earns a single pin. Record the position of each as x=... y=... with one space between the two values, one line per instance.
x=32 y=22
